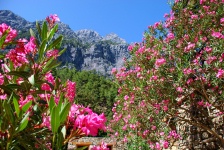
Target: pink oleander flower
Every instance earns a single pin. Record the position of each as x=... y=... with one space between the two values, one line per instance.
x=30 y=47
x=90 y=124
x=126 y=97
x=170 y=37
x=194 y=16
x=157 y=146
x=11 y=33
x=130 y=47
x=3 y=96
x=220 y=73
x=217 y=35
x=1 y=79
x=52 y=53
x=179 y=89
x=201 y=103
x=113 y=71
x=102 y=146
x=189 y=47
x=46 y=87
x=153 y=127
x=23 y=101
x=165 y=108
x=173 y=134
x=18 y=58
x=208 y=49
x=187 y=71
x=165 y=144
x=49 y=78
x=46 y=121
x=52 y=19
x=160 y=62
x=125 y=140
x=70 y=91
x=124 y=127
x=156 y=25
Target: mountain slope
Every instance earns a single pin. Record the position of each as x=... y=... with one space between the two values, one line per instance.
x=86 y=49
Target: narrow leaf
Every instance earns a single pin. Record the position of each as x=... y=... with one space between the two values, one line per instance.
x=22 y=74
x=62 y=51
x=55 y=120
x=55 y=43
x=24 y=122
x=38 y=28
x=6 y=89
x=16 y=105
x=51 y=103
x=64 y=112
x=26 y=106
x=82 y=148
x=9 y=112
x=42 y=50
x=2 y=40
x=52 y=32
x=44 y=31
x=50 y=65
x=32 y=33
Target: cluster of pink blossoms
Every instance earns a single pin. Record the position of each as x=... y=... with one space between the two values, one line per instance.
x=11 y=33
x=70 y=91
x=102 y=146
x=52 y=19
x=86 y=120
x=19 y=55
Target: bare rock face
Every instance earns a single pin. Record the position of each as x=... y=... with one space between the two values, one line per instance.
x=86 y=49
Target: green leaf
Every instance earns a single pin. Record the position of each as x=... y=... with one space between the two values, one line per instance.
x=9 y=112
x=24 y=122
x=57 y=83
x=44 y=31
x=22 y=74
x=60 y=140
x=51 y=103
x=62 y=51
x=52 y=63
x=26 y=86
x=13 y=86
x=2 y=55
x=38 y=28
x=64 y=112
x=26 y=106
x=6 y=89
x=42 y=50
x=52 y=32
x=82 y=148
x=16 y=105
x=56 y=43
x=32 y=33
x=32 y=79
x=55 y=119
x=60 y=100
x=2 y=39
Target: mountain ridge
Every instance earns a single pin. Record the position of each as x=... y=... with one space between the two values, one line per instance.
x=86 y=49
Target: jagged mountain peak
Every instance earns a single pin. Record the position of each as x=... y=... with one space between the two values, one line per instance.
x=88 y=35
x=14 y=20
x=114 y=38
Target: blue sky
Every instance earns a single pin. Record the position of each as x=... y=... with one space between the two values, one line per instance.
x=127 y=18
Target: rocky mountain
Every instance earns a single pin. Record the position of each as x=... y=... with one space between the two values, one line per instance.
x=86 y=49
